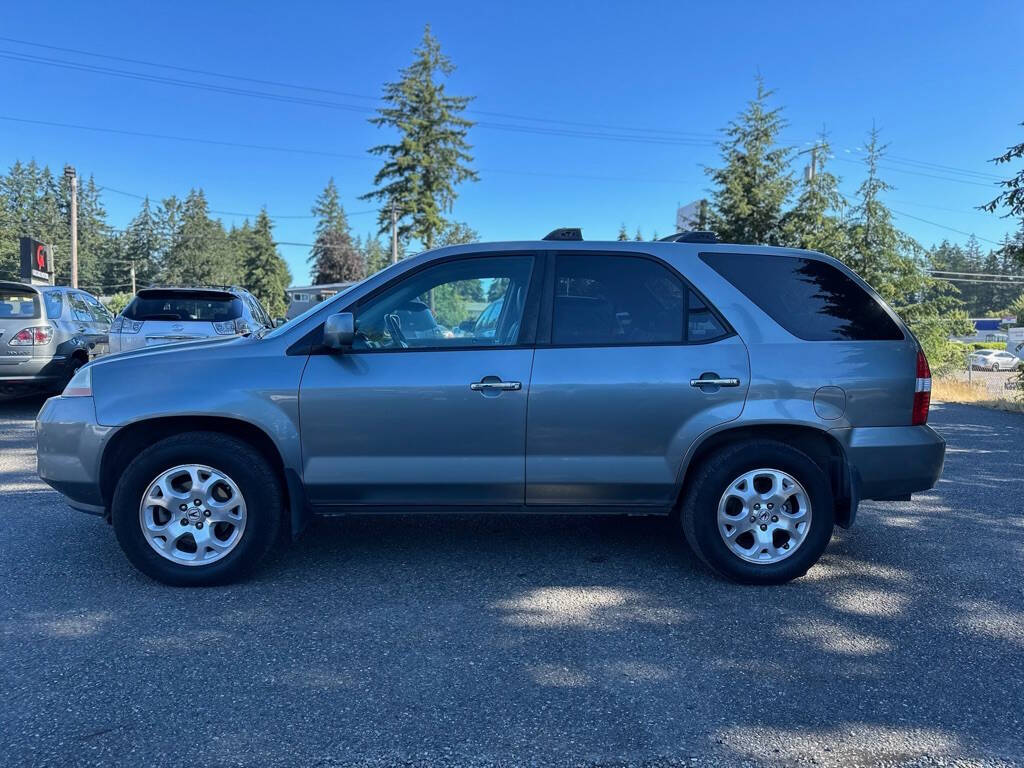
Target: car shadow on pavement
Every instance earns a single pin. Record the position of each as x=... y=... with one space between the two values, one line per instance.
x=554 y=640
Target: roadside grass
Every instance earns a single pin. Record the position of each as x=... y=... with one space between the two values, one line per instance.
x=950 y=390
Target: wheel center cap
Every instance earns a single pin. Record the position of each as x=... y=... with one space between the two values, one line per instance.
x=195 y=514
x=765 y=515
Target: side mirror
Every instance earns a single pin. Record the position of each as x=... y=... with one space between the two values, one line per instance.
x=339 y=331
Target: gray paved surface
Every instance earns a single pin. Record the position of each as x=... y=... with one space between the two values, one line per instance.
x=525 y=641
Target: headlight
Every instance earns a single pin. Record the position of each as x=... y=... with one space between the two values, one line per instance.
x=80 y=384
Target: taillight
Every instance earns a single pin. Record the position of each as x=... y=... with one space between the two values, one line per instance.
x=922 y=390
x=27 y=337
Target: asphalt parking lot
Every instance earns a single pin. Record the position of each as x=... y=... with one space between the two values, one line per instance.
x=525 y=641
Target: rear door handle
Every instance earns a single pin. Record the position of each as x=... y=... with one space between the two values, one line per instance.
x=714 y=382
x=490 y=384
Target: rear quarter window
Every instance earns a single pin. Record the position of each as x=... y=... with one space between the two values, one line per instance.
x=811 y=299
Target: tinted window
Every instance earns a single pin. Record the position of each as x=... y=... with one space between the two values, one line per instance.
x=809 y=298
x=208 y=306
x=99 y=312
x=79 y=308
x=604 y=299
x=54 y=304
x=440 y=307
x=19 y=303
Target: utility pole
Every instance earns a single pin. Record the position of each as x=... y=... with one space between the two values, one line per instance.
x=72 y=179
x=394 y=233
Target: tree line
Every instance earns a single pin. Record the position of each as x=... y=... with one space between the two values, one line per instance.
x=754 y=197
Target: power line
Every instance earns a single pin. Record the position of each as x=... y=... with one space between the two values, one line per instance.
x=943 y=226
x=975 y=274
x=349 y=94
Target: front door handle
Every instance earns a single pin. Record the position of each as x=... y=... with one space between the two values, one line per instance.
x=714 y=382
x=494 y=384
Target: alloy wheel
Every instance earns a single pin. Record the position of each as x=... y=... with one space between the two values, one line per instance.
x=192 y=514
x=764 y=516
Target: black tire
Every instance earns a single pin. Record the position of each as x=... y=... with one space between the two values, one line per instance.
x=246 y=466
x=711 y=479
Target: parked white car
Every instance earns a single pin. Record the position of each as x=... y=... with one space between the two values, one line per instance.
x=994 y=360
x=166 y=315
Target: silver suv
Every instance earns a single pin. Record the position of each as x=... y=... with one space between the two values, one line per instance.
x=167 y=315
x=46 y=334
x=756 y=395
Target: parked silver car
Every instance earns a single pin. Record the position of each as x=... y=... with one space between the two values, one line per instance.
x=994 y=360
x=754 y=394
x=165 y=315
x=46 y=334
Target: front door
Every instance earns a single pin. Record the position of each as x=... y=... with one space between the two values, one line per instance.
x=612 y=409
x=426 y=409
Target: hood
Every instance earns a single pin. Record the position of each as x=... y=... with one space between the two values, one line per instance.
x=176 y=348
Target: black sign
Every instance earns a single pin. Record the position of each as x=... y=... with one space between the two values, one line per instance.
x=36 y=260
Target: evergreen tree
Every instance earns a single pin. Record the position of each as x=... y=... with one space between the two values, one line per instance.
x=817 y=222
x=431 y=155
x=623 y=234
x=198 y=253
x=336 y=257
x=375 y=255
x=754 y=182
x=638 y=237
x=265 y=273
x=893 y=264
x=1012 y=195
x=143 y=246
x=458 y=233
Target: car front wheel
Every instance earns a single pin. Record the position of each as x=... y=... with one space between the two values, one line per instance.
x=197 y=508
x=760 y=512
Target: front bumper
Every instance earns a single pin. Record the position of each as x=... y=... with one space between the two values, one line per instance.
x=69 y=447
x=890 y=463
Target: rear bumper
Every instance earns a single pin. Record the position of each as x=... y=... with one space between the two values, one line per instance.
x=35 y=370
x=69 y=447
x=890 y=463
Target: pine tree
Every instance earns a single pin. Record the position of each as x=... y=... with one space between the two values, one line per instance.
x=375 y=255
x=458 y=233
x=1012 y=195
x=893 y=264
x=198 y=253
x=638 y=237
x=816 y=222
x=623 y=234
x=143 y=245
x=265 y=273
x=335 y=257
x=431 y=156
x=754 y=182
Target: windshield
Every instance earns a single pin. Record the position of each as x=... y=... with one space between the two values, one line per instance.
x=208 y=306
x=19 y=303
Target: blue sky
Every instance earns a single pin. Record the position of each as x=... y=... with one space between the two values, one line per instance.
x=943 y=81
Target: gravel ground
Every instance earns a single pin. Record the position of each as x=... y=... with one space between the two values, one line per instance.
x=489 y=641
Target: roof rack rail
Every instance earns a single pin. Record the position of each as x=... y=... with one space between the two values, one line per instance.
x=694 y=236
x=565 y=233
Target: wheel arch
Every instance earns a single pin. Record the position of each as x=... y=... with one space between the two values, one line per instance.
x=134 y=437
x=817 y=443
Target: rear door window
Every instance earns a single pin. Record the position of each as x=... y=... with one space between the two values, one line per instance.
x=18 y=303
x=80 y=309
x=811 y=299
x=611 y=300
x=204 y=306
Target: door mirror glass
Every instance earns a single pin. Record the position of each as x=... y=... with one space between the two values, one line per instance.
x=339 y=331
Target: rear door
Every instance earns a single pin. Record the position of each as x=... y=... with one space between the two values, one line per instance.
x=101 y=324
x=20 y=308
x=614 y=402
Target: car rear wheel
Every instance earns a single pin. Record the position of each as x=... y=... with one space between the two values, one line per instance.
x=197 y=508
x=759 y=513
